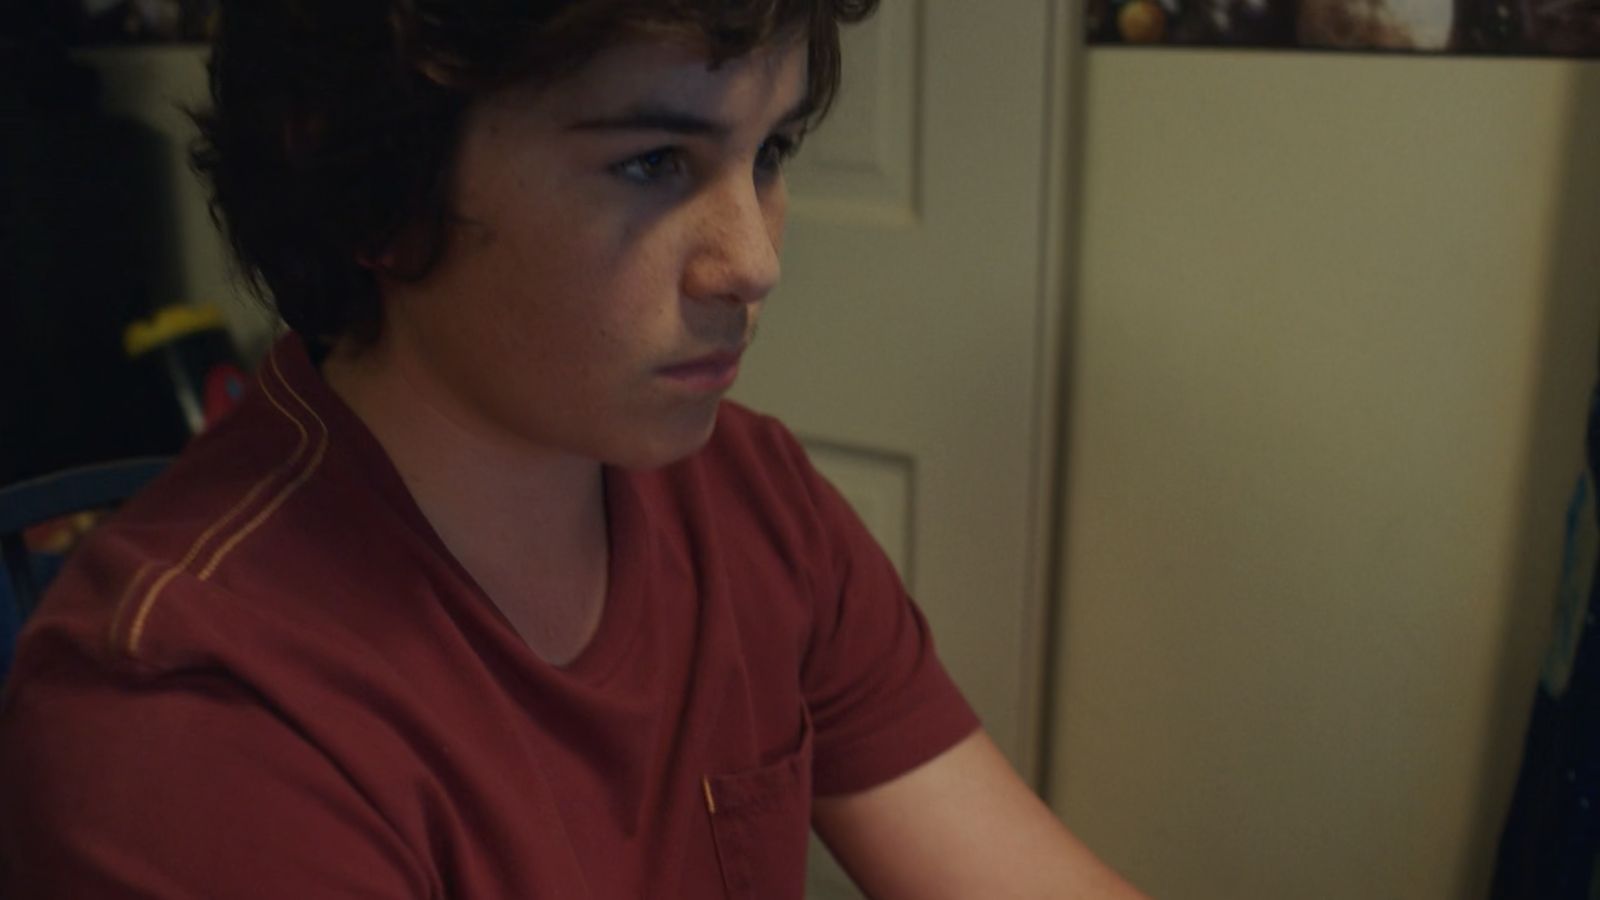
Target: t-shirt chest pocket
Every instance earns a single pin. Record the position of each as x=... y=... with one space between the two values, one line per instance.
x=760 y=821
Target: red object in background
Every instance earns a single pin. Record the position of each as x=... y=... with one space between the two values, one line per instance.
x=224 y=385
x=189 y=345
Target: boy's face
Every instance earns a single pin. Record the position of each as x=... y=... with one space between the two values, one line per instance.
x=620 y=229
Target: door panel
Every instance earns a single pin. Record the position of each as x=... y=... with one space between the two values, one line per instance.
x=911 y=346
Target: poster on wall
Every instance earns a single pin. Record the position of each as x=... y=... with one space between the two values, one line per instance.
x=1512 y=27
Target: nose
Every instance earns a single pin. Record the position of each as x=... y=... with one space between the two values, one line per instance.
x=739 y=232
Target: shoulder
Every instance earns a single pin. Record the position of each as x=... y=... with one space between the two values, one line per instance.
x=211 y=549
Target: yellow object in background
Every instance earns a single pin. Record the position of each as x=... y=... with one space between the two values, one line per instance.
x=168 y=325
x=191 y=345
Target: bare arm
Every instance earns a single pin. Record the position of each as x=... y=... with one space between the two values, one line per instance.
x=961 y=826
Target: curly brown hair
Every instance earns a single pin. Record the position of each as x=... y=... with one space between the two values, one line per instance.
x=333 y=125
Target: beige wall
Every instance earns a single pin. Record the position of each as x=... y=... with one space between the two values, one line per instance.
x=1334 y=326
x=155 y=85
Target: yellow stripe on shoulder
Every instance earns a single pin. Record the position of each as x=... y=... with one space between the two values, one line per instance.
x=293 y=472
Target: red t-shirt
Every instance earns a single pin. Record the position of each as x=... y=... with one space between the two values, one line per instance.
x=266 y=677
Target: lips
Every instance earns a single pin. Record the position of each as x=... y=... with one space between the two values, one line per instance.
x=712 y=372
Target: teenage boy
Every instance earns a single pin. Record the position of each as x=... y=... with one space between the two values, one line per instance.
x=484 y=592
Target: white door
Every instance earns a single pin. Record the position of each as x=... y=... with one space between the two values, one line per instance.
x=912 y=344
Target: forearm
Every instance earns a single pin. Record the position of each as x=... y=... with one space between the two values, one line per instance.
x=962 y=826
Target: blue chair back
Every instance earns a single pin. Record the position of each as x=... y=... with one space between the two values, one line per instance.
x=42 y=499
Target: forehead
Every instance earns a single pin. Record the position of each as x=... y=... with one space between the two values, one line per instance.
x=634 y=72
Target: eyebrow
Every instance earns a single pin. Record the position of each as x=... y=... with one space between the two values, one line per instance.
x=651 y=117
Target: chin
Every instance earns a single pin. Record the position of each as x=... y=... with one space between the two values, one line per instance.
x=670 y=441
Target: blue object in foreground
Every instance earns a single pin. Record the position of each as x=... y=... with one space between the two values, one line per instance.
x=38 y=500
x=45 y=566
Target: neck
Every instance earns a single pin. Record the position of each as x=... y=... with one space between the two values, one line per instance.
x=528 y=524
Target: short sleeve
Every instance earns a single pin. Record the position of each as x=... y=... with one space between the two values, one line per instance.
x=183 y=787
x=880 y=700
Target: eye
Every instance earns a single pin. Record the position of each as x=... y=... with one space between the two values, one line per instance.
x=777 y=150
x=649 y=168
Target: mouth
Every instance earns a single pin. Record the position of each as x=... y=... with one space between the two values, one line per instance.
x=707 y=374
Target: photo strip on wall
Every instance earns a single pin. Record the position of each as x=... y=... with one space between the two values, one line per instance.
x=1486 y=27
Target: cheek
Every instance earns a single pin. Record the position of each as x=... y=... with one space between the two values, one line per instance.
x=545 y=276
x=569 y=308
x=566 y=287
